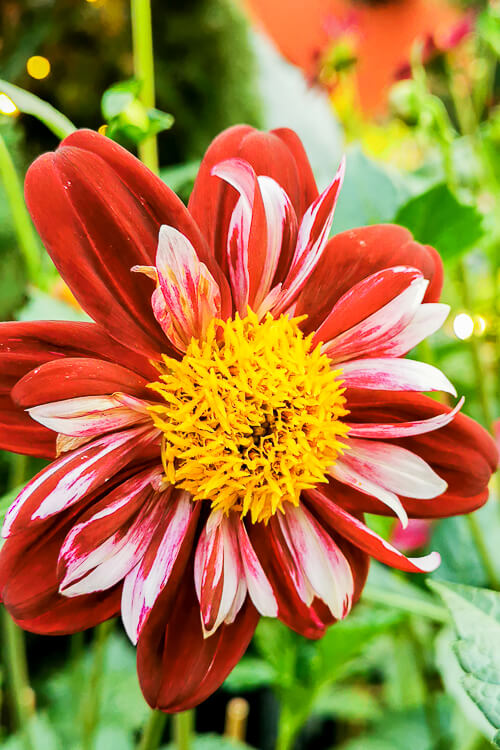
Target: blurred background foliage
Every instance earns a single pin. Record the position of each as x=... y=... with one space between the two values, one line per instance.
x=406 y=671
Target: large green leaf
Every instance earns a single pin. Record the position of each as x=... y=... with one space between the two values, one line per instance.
x=43 y=111
x=438 y=218
x=476 y=615
x=371 y=194
x=212 y=742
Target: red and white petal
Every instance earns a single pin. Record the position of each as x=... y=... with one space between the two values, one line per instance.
x=358 y=533
x=112 y=560
x=379 y=328
x=191 y=296
x=71 y=477
x=247 y=232
x=394 y=468
x=394 y=375
x=282 y=230
x=427 y=320
x=321 y=560
x=312 y=237
x=349 y=474
x=259 y=588
x=218 y=573
x=365 y=298
x=86 y=416
x=403 y=429
x=171 y=545
x=101 y=532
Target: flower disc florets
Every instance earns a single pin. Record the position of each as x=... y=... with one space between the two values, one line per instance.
x=251 y=415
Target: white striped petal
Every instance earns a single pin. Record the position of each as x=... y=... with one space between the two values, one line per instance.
x=322 y=561
x=259 y=588
x=403 y=429
x=383 y=325
x=428 y=319
x=347 y=473
x=85 y=416
x=394 y=468
x=144 y=584
x=394 y=375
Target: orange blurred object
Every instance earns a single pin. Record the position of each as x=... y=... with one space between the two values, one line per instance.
x=386 y=33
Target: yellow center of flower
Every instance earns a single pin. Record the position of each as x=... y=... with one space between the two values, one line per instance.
x=251 y=415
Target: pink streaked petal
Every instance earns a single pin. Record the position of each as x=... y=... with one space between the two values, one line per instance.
x=247 y=234
x=259 y=588
x=427 y=320
x=285 y=553
x=365 y=298
x=348 y=473
x=323 y=563
x=380 y=327
x=281 y=232
x=312 y=237
x=144 y=584
x=403 y=429
x=366 y=539
x=394 y=468
x=80 y=550
x=71 y=477
x=112 y=560
x=190 y=293
x=218 y=573
x=85 y=416
x=394 y=375
x=237 y=254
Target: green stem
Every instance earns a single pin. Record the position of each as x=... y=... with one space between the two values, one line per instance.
x=474 y=345
x=26 y=237
x=415 y=606
x=478 y=537
x=183 y=730
x=142 y=40
x=92 y=695
x=17 y=675
x=153 y=730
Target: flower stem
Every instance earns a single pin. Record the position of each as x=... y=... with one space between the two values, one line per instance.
x=142 y=40
x=183 y=730
x=17 y=673
x=92 y=695
x=23 y=227
x=478 y=537
x=153 y=730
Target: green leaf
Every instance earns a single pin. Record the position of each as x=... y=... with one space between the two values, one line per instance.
x=349 y=703
x=128 y=117
x=476 y=615
x=348 y=637
x=371 y=194
x=42 y=306
x=40 y=733
x=43 y=111
x=116 y=99
x=212 y=742
x=385 y=586
x=438 y=218
x=250 y=674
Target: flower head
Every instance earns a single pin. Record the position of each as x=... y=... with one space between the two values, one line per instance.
x=240 y=402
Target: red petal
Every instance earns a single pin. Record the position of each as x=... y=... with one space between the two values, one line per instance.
x=462 y=453
x=28 y=565
x=24 y=346
x=72 y=377
x=351 y=256
x=278 y=154
x=179 y=668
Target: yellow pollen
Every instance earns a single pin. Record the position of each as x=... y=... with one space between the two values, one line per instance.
x=251 y=415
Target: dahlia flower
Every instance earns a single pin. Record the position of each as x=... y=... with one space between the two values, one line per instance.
x=239 y=403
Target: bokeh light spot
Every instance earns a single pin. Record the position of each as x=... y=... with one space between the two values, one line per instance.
x=7 y=106
x=463 y=326
x=38 y=67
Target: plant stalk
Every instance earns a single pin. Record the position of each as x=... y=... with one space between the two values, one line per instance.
x=26 y=237
x=142 y=41
x=92 y=695
x=153 y=730
x=183 y=730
